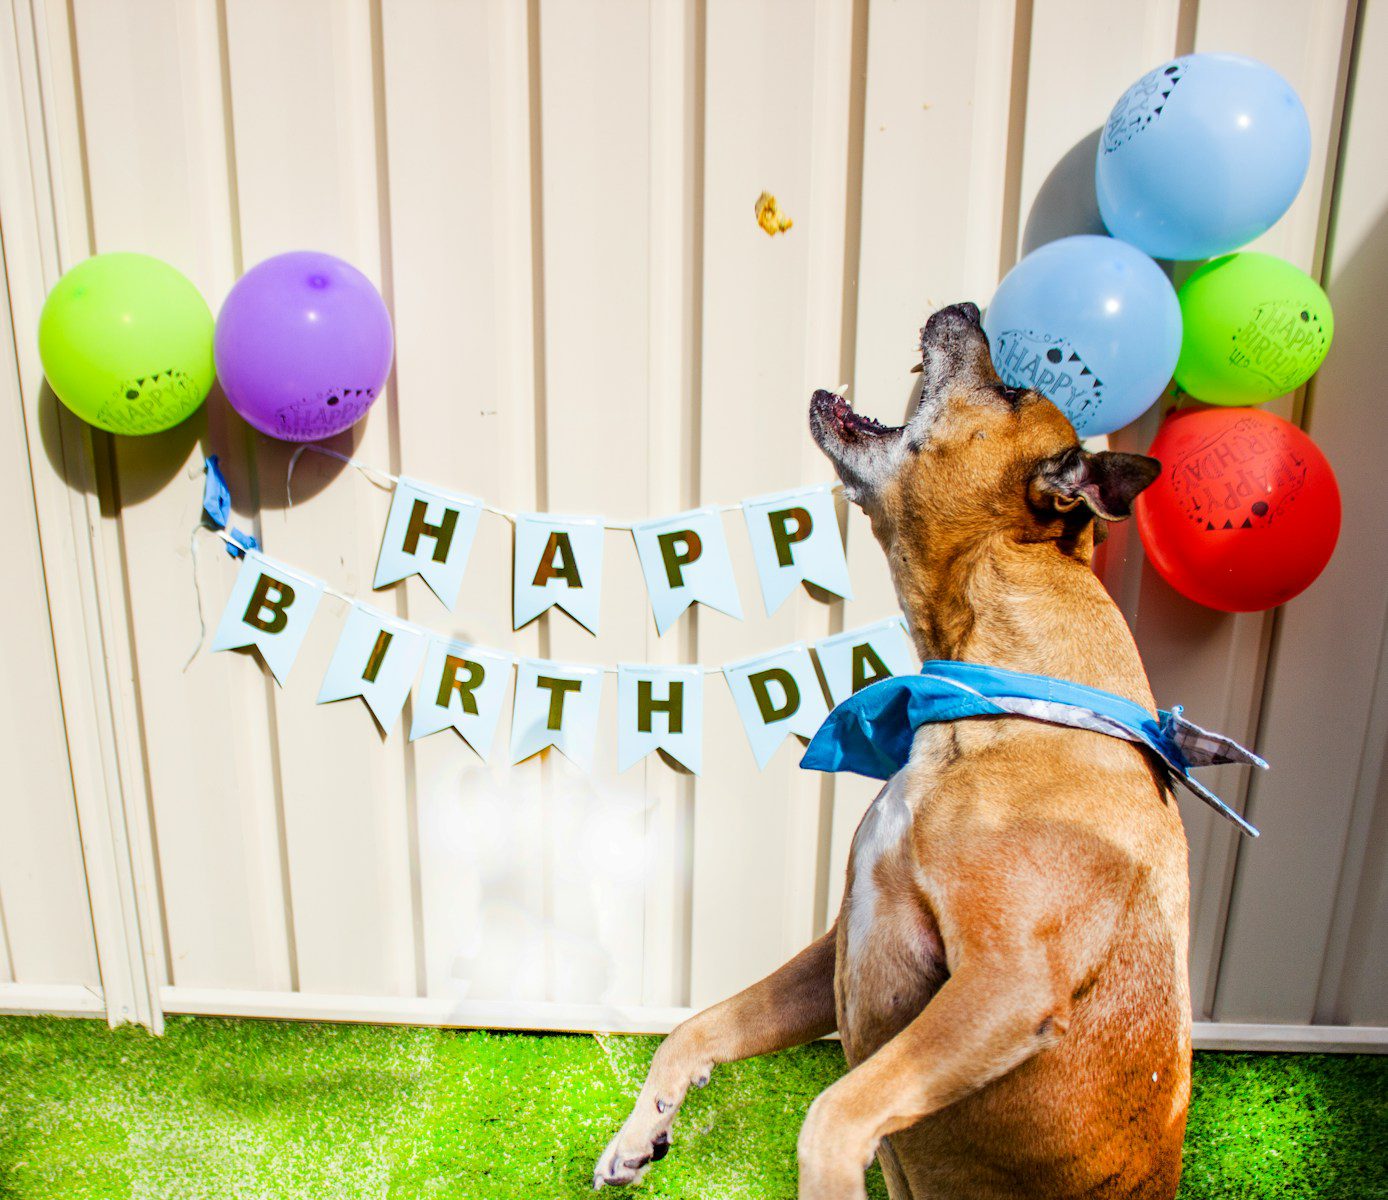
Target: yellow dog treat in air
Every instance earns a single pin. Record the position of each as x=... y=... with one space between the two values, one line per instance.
x=769 y=215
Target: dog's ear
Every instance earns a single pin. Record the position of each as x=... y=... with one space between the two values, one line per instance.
x=1107 y=482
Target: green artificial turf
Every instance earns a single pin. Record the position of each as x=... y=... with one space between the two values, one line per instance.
x=261 y=1109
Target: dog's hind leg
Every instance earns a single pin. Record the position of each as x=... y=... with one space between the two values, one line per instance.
x=792 y=1005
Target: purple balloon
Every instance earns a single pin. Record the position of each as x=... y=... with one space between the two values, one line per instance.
x=303 y=345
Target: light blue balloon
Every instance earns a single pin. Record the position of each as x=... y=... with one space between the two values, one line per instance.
x=1092 y=324
x=1201 y=155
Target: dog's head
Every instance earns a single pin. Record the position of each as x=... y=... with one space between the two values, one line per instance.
x=976 y=460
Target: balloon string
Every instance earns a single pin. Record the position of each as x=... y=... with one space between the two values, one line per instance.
x=375 y=474
x=197 y=592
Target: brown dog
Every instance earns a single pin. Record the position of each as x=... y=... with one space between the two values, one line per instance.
x=1008 y=969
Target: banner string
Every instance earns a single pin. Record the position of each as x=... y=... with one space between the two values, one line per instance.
x=347 y=598
x=373 y=474
x=216 y=510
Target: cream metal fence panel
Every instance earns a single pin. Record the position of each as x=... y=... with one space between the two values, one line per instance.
x=555 y=197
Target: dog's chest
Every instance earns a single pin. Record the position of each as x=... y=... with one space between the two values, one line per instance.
x=890 y=957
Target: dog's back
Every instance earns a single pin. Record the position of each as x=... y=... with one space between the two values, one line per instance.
x=995 y=807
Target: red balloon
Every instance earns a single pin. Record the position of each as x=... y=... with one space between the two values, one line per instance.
x=1246 y=511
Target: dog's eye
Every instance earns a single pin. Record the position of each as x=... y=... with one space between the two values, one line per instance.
x=1012 y=395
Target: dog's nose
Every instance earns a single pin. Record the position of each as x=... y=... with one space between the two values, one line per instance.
x=958 y=322
x=966 y=312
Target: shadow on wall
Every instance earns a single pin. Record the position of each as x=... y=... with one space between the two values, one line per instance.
x=493 y=933
x=145 y=466
x=158 y=460
x=1342 y=414
x=1066 y=203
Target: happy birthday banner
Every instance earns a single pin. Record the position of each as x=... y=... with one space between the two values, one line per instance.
x=558 y=562
x=558 y=559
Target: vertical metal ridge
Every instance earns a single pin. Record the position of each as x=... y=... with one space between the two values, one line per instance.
x=1365 y=814
x=238 y=265
x=1187 y=17
x=848 y=361
x=97 y=728
x=853 y=208
x=687 y=790
x=1271 y=624
x=535 y=93
x=1010 y=236
x=250 y=446
x=394 y=441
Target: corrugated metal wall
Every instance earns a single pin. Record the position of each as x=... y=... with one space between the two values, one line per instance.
x=556 y=201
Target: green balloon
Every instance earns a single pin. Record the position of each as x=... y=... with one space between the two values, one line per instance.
x=126 y=343
x=1255 y=328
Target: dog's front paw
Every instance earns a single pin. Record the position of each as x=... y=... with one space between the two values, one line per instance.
x=626 y=1158
x=645 y=1137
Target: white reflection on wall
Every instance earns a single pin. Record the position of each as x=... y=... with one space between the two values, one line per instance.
x=533 y=882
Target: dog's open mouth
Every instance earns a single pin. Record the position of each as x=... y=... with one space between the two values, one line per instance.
x=837 y=414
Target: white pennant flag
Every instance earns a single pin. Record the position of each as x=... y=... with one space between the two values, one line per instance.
x=462 y=687
x=777 y=694
x=853 y=660
x=795 y=536
x=429 y=533
x=558 y=561
x=270 y=607
x=685 y=558
x=556 y=705
x=377 y=658
x=660 y=708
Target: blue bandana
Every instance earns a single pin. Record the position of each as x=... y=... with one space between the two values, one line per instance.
x=871 y=732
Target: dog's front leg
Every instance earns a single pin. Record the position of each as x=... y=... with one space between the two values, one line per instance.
x=792 y=1005
x=991 y=1015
